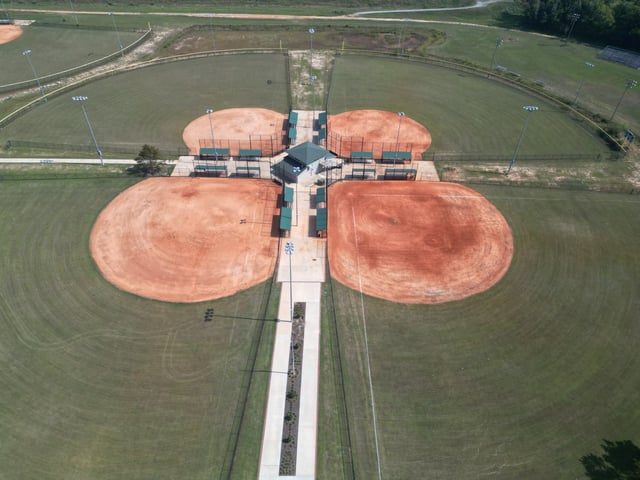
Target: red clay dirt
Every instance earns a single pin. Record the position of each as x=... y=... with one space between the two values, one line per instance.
x=416 y=242
x=234 y=127
x=376 y=131
x=184 y=239
x=8 y=33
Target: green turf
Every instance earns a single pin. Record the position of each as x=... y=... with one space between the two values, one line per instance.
x=464 y=113
x=153 y=105
x=101 y=384
x=519 y=381
x=54 y=50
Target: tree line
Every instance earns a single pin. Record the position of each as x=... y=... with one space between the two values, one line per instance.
x=611 y=22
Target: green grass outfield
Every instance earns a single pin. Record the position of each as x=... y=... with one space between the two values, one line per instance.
x=54 y=50
x=464 y=113
x=153 y=105
x=517 y=382
x=101 y=384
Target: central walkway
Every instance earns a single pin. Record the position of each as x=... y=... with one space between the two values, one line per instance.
x=302 y=278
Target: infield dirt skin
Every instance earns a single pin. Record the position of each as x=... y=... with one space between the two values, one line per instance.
x=416 y=242
x=188 y=239
x=8 y=33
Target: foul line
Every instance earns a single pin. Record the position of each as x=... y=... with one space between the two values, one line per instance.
x=366 y=347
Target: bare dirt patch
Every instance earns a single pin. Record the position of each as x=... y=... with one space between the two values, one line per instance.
x=8 y=33
x=234 y=128
x=376 y=131
x=187 y=239
x=415 y=242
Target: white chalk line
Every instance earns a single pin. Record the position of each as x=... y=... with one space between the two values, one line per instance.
x=366 y=347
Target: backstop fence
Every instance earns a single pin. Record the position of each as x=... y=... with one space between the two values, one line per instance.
x=344 y=146
x=270 y=145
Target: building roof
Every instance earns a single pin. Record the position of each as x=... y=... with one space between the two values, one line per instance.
x=307 y=153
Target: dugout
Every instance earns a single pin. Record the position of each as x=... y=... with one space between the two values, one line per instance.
x=321 y=222
x=286 y=217
x=288 y=196
x=321 y=197
x=203 y=170
x=249 y=154
x=389 y=157
x=361 y=157
x=363 y=173
x=400 y=173
x=213 y=154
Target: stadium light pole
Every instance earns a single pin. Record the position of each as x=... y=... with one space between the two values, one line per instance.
x=289 y=247
x=529 y=109
x=27 y=55
x=402 y=29
x=574 y=19
x=495 y=52
x=209 y=111
x=311 y=32
x=115 y=27
x=313 y=100
x=81 y=99
x=401 y=115
x=296 y=171
x=588 y=65
x=629 y=84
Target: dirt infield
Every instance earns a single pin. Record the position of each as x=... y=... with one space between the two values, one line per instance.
x=376 y=131
x=9 y=33
x=415 y=242
x=187 y=239
x=236 y=128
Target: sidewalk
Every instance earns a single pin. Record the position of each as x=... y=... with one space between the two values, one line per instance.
x=307 y=272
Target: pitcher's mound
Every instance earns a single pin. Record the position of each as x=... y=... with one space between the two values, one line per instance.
x=187 y=239
x=414 y=242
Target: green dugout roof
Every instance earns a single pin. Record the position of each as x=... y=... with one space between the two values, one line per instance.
x=288 y=194
x=322 y=118
x=361 y=154
x=293 y=133
x=398 y=155
x=285 y=218
x=245 y=152
x=214 y=152
x=321 y=194
x=321 y=219
x=293 y=118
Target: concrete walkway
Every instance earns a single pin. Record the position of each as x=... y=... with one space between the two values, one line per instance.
x=307 y=272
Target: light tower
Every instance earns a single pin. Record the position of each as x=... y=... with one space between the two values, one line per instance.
x=81 y=99
x=529 y=109
x=27 y=55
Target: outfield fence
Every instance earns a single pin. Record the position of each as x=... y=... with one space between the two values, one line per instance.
x=108 y=149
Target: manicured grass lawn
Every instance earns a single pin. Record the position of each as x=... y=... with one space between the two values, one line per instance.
x=100 y=384
x=519 y=381
x=464 y=113
x=153 y=105
x=54 y=50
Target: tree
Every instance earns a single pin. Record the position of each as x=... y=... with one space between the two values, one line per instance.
x=148 y=160
x=620 y=461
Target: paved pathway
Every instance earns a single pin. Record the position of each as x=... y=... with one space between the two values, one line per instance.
x=307 y=272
